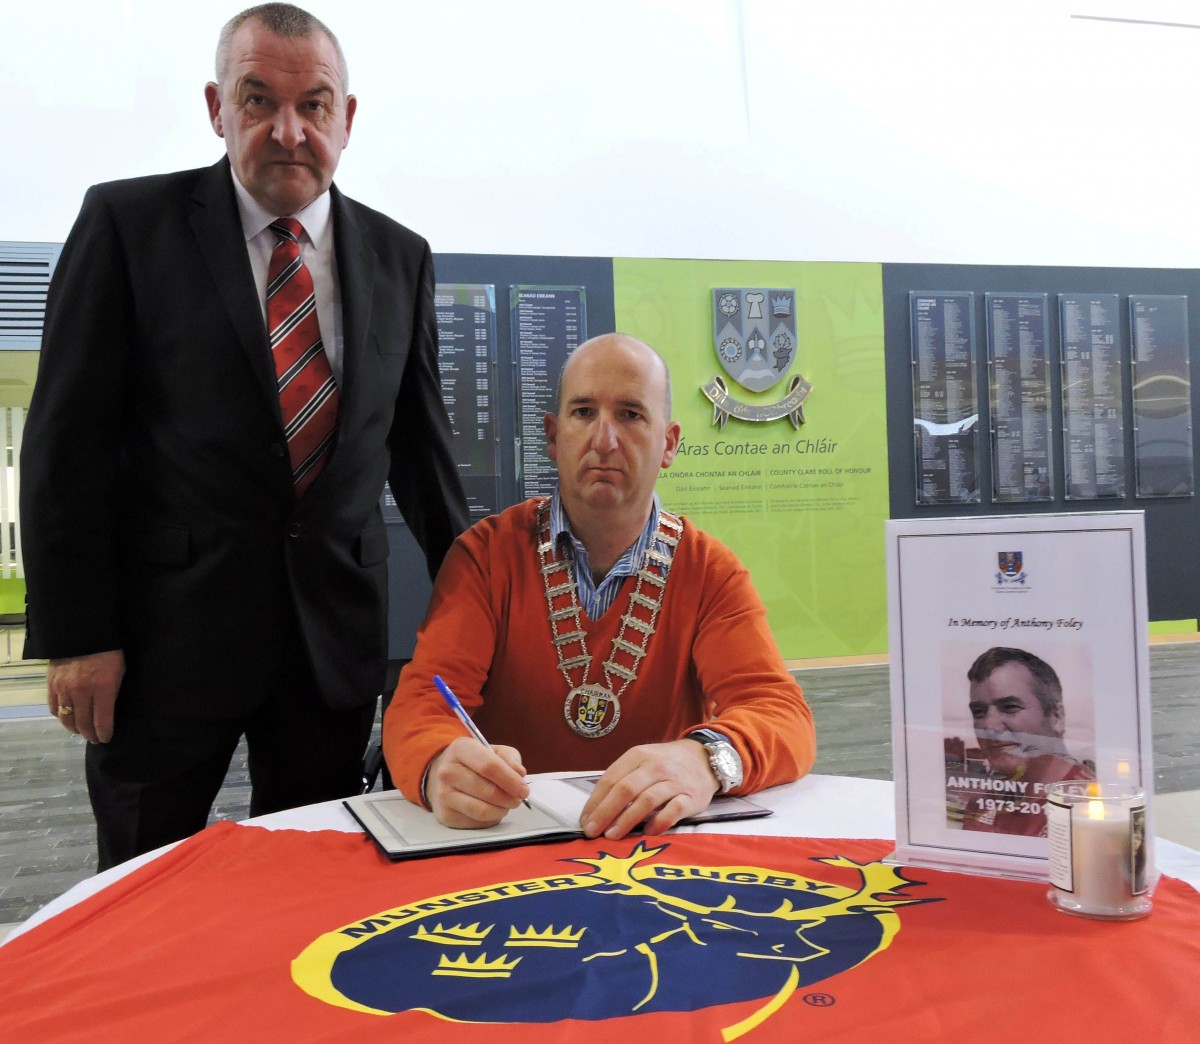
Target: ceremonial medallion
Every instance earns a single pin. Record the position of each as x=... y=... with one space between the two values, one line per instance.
x=592 y=711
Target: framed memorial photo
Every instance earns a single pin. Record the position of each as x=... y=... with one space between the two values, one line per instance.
x=1019 y=658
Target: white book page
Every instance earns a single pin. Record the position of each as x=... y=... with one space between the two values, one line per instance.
x=400 y=825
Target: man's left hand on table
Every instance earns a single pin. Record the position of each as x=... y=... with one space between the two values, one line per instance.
x=653 y=786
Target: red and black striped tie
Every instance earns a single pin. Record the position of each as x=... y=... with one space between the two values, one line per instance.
x=308 y=395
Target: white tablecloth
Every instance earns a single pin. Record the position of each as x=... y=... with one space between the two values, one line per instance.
x=816 y=806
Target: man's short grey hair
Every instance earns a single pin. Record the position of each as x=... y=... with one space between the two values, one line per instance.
x=1046 y=686
x=285 y=20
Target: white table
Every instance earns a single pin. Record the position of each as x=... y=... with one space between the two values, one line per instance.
x=816 y=806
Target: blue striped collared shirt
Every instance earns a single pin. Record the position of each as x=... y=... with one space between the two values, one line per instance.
x=597 y=599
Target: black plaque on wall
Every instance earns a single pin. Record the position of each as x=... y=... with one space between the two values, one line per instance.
x=1019 y=387
x=1093 y=396
x=466 y=322
x=1162 y=395
x=548 y=323
x=945 y=411
x=1172 y=522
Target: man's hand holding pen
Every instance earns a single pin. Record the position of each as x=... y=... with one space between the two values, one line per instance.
x=653 y=786
x=472 y=785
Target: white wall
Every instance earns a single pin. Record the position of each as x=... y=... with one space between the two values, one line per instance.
x=973 y=131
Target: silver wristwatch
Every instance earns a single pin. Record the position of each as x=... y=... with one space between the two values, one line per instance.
x=725 y=762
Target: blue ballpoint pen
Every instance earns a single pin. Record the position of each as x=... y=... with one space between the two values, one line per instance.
x=463 y=716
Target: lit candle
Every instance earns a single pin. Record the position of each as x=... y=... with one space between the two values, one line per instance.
x=1097 y=863
x=1101 y=856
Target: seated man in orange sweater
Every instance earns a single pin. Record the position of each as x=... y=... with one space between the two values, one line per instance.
x=597 y=631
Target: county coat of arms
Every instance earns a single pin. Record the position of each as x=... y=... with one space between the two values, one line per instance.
x=754 y=334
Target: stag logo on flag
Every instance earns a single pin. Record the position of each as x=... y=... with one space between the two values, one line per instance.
x=754 y=333
x=609 y=936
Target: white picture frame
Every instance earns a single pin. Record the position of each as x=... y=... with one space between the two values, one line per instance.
x=1068 y=590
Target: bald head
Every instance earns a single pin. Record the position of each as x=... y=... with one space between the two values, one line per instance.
x=619 y=343
x=611 y=436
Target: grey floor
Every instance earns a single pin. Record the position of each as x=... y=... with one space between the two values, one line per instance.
x=46 y=842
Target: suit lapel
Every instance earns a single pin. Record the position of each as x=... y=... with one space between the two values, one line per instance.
x=356 y=280
x=222 y=244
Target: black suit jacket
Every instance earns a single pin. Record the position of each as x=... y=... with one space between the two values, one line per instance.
x=157 y=503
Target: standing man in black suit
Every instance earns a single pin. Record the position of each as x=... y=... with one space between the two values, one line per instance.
x=212 y=426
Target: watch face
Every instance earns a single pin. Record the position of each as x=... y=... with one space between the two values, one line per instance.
x=726 y=764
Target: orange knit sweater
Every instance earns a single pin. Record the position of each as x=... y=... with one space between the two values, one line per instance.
x=712 y=660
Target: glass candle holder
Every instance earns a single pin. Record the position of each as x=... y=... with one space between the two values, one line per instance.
x=1098 y=853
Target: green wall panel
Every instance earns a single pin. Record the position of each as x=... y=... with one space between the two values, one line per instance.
x=12 y=597
x=804 y=510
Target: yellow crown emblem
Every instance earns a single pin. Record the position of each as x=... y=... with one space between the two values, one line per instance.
x=565 y=939
x=481 y=968
x=455 y=935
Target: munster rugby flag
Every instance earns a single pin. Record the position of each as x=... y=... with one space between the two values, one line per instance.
x=244 y=934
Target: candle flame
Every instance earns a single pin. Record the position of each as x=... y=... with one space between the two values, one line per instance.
x=1093 y=789
x=1095 y=810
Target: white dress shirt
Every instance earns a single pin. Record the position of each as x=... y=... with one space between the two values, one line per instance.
x=316 y=250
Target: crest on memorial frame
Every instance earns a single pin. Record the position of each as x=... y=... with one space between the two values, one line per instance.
x=754 y=335
x=1011 y=567
x=1010 y=562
